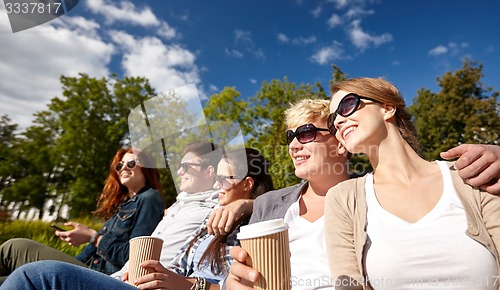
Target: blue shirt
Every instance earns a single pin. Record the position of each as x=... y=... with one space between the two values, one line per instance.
x=137 y=216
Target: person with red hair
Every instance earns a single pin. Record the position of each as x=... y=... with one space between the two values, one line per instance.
x=131 y=203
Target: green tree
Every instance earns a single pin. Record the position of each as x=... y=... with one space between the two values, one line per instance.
x=38 y=175
x=227 y=115
x=7 y=169
x=66 y=154
x=268 y=124
x=163 y=126
x=464 y=111
x=7 y=140
x=227 y=106
x=337 y=74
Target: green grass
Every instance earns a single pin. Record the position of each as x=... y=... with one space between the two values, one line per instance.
x=42 y=232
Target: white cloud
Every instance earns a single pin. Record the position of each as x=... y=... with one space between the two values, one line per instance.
x=30 y=77
x=438 y=50
x=297 y=40
x=328 y=54
x=452 y=48
x=357 y=12
x=233 y=53
x=339 y=3
x=316 y=12
x=183 y=17
x=244 y=39
x=125 y=11
x=165 y=66
x=259 y=53
x=213 y=89
x=283 y=38
x=167 y=31
x=363 y=40
x=304 y=40
x=334 y=21
x=83 y=25
x=253 y=81
x=122 y=38
x=349 y=14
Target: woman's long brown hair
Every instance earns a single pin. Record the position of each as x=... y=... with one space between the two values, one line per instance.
x=114 y=192
x=257 y=168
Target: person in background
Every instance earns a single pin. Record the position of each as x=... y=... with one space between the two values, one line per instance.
x=410 y=223
x=131 y=204
x=201 y=264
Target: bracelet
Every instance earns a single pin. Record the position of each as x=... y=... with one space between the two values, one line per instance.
x=199 y=284
x=94 y=237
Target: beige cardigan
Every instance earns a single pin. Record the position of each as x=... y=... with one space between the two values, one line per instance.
x=345 y=225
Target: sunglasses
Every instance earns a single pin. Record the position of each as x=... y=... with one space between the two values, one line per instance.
x=347 y=106
x=185 y=165
x=305 y=134
x=131 y=164
x=221 y=180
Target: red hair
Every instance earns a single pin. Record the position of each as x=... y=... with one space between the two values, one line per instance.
x=114 y=192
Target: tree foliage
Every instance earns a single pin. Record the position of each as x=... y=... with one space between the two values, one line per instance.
x=66 y=154
x=464 y=111
x=7 y=140
x=261 y=119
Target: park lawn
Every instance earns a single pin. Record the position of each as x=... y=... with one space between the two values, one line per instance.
x=41 y=232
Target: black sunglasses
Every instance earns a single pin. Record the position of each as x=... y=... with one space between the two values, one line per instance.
x=185 y=165
x=131 y=164
x=305 y=134
x=347 y=106
x=221 y=180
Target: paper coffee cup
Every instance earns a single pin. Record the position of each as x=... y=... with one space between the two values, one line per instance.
x=142 y=249
x=268 y=247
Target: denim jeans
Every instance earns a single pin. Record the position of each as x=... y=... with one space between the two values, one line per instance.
x=48 y=275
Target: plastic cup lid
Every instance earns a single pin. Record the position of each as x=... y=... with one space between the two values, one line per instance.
x=262 y=229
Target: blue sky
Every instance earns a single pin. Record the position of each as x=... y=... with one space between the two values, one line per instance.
x=243 y=43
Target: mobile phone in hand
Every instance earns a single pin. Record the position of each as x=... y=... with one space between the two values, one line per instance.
x=56 y=228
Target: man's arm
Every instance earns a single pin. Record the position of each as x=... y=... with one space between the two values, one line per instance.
x=478 y=165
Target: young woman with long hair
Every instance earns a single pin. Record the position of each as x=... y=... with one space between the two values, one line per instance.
x=411 y=223
x=131 y=204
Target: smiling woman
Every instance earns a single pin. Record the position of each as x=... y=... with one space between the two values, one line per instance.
x=131 y=205
x=410 y=219
x=241 y=174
